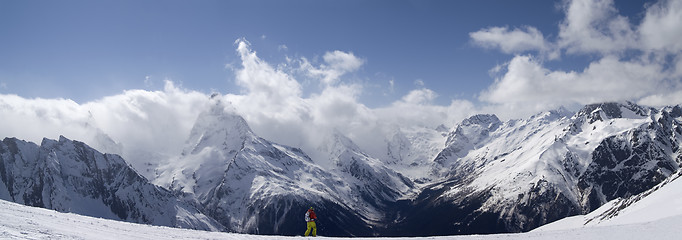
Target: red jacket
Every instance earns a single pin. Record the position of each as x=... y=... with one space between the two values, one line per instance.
x=310 y=216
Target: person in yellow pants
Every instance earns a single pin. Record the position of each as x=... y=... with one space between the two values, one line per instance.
x=310 y=220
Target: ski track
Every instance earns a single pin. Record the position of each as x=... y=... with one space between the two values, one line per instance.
x=23 y=222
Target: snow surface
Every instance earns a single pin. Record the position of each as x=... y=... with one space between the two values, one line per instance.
x=23 y=222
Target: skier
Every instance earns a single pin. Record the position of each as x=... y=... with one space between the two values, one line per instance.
x=310 y=219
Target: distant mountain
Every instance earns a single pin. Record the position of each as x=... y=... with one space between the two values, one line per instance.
x=410 y=151
x=69 y=176
x=521 y=174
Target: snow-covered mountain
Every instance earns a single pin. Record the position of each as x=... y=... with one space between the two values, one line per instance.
x=369 y=186
x=520 y=174
x=411 y=149
x=69 y=176
x=252 y=185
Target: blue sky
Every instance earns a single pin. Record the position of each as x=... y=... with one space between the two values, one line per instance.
x=84 y=50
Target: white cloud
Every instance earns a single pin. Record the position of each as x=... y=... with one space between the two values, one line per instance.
x=589 y=26
x=136 y=120
x=33 y=119
x=342 y=61
x=300 y=121
x=650 y=71
x=512 y=41
x=420 y=96
x=403 y=113
x=594 y=26
x=157 y=121
x=661 y=27
x=297 y=120
x=336 y=107
x=259 y=78
x=336 y=64
x=663 y=99
x=527 y=84
x=275 y=109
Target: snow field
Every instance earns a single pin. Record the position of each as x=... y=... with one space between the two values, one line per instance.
x=23 y=222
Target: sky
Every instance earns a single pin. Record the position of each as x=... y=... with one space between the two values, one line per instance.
x=84 y=50
x=134 y=69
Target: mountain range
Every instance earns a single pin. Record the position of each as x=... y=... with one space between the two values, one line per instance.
x=482 y=175
x=518 y=175
x=69 y=176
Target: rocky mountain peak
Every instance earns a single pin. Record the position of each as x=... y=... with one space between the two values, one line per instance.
x=489 y=121
x=473 y=130
x=676 y=111
x=218 y=125
x=611 y=110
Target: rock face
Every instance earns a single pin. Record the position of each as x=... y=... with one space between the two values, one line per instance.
x=69 y=176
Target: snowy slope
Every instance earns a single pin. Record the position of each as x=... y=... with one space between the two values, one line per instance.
x=23 y=222
x=69 y=176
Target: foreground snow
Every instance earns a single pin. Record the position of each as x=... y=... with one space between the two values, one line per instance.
x=22 y=222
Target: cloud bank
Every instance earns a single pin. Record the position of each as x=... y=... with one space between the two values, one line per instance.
x=273 y=105
x=147 y=127
x=143 y=126
x=638 y=62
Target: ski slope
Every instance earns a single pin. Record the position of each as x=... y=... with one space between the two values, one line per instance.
x=23 y=222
